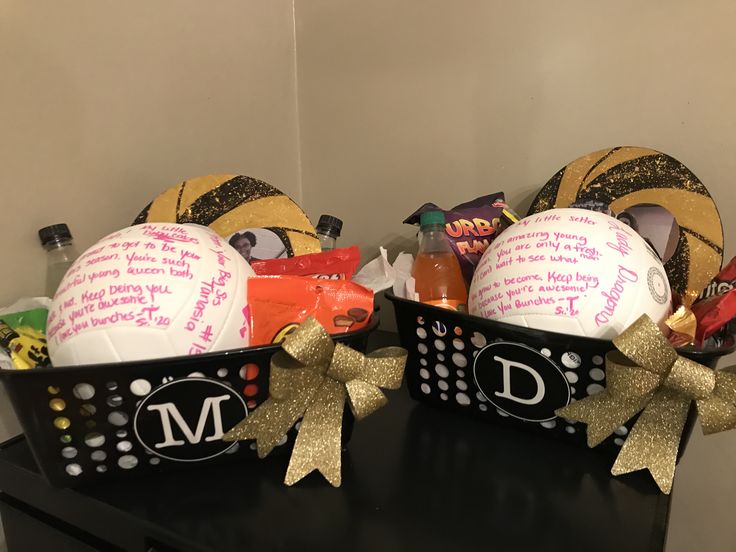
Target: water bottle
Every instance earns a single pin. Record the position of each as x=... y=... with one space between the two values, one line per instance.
x=328 y=230
x=61 y=253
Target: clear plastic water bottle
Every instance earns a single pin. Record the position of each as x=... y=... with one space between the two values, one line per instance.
x=328 y=230
x=61 y=253
x=439 y=279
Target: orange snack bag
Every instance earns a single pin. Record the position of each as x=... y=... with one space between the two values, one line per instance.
x=278 y=304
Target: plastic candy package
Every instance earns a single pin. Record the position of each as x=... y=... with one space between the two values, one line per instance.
x=27 y=349
x=23 y=334
x=278 y=304
x=338 y=264
x=717 y=306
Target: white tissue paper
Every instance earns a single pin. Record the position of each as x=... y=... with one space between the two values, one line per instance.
x=379 y=274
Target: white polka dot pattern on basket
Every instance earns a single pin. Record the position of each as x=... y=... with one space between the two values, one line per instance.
x=446 y=372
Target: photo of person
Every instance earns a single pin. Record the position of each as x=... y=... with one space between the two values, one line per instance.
x=243 y=244
x=255 y=244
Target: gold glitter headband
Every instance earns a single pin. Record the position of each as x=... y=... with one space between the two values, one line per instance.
x=647 y=375
x=310 y=379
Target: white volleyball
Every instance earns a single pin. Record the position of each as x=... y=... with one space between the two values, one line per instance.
x=570 y=271
x=150 y=291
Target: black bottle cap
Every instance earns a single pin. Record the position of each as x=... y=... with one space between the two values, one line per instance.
x=55 y=232
x=329 y=225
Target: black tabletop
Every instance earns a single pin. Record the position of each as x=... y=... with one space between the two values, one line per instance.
x=414 y=478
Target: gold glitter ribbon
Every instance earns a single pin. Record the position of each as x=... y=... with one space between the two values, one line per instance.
x=647 y=375
x=310 y=379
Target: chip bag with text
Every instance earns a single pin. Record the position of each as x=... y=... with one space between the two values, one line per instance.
x=716 y=306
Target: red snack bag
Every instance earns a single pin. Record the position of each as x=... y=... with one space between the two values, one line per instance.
x=724 y=282
x=717 y=304
x=470 y=227
x=278 y=304
x=713 y=314
x=338 y=264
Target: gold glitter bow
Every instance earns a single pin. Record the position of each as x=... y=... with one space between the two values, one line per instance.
x=310 y=379
x=647 y=375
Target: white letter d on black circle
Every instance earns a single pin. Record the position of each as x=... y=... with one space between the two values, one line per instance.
x=506 y=393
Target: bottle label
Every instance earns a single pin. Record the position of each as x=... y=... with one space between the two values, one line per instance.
x=449 y=304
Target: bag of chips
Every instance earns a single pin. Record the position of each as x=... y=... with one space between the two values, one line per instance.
x=278 y=304
x=470 y=227
x=717 y=304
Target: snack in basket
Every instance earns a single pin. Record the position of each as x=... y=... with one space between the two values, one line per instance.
x=623 y=177
x=723 y=282
x=470 y=227
x=25 y=318
x=278 y=304
x=717 y=306
x=27 y=350
x=723 y=337
x=335 y=264
x=570 y=271
x=713 y=314
x=260 y=221
x=150 y=291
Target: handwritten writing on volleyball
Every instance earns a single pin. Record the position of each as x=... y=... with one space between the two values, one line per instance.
x=577 y=265
x=113 y=278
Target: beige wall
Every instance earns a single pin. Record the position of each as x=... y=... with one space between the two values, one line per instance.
x=403 y=102
x=104 y=104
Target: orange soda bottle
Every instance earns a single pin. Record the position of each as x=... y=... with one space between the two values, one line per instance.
x=439 y=280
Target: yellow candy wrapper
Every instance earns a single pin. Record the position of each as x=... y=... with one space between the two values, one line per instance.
x=27 y=347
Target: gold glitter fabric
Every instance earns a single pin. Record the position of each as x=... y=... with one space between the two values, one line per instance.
x=718 y=412
x=311 y=344
x=318 y=443
x=644 y=344
x=624 y=176
x=647 y=375
x=365 y=398
x=691 y=379
x=230 y=203
x=655 y=438
x=310 y=379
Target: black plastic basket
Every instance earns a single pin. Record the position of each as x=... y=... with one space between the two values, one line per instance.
x=458 y=362
x=87 y=423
